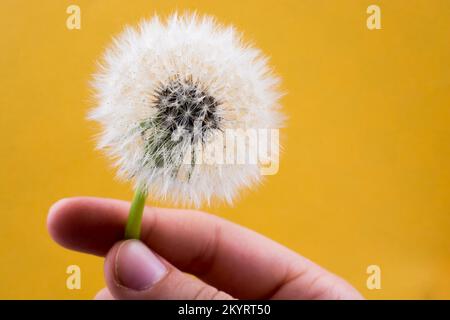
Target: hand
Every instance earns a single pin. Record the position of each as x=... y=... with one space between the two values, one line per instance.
x=229 y=261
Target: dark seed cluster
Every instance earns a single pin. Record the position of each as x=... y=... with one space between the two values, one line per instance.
x=182 y=104
x=183 y=108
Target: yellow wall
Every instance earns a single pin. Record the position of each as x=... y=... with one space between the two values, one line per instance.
x=365 y=175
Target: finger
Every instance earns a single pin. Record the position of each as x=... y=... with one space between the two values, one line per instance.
x=104 y=294
x=239 y=263
x=133 y=271
x=227 y=256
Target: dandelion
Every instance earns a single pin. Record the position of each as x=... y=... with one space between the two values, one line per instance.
x=168 y=88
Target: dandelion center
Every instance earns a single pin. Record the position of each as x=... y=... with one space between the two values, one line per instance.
x=184 y=105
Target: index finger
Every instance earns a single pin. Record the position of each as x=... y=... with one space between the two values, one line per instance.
x=230 y=257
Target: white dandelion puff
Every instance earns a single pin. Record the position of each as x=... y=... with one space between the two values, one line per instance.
x=167 y=88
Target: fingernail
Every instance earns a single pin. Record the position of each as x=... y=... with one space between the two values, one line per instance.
x=137 y=267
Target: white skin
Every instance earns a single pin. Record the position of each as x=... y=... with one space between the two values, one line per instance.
x=228 y=260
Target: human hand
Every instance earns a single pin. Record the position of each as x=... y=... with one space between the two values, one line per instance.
x=229 y=261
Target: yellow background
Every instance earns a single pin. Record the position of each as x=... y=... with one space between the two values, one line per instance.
x=365 y=173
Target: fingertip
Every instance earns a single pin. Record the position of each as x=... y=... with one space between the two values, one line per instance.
x=86 y=224
x=56 y=221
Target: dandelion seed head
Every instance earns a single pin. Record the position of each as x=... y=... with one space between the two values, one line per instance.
x=165 y=88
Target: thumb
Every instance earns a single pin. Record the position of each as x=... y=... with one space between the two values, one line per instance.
x=133 y=271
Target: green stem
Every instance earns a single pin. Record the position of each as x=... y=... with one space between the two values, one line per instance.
x=133 y=228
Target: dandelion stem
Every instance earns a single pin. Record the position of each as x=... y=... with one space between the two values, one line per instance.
x=133 y=228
